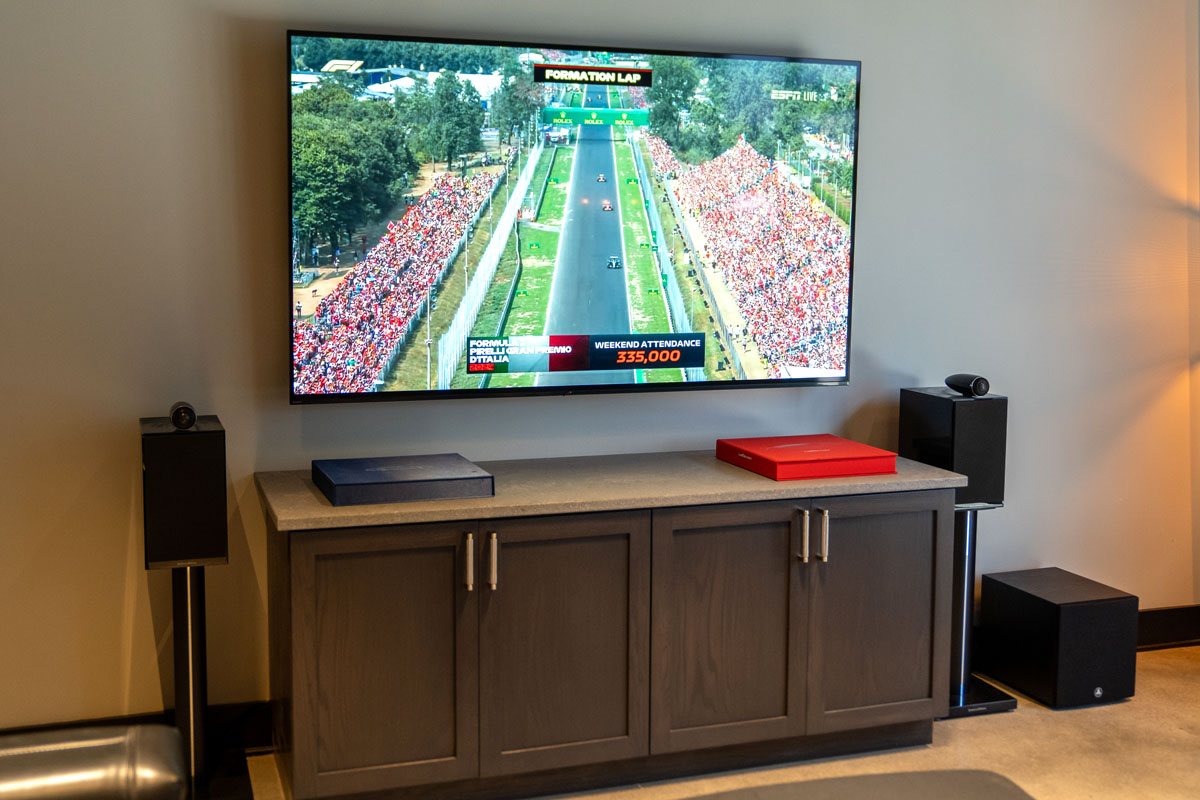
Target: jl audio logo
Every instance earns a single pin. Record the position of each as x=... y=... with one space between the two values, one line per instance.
x=341 y=65
x=1098 y=692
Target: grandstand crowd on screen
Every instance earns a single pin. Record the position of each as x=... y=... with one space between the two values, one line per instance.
x=347 y=344
x=784 y=258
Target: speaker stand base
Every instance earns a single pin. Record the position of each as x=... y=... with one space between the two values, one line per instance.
x=191 y=667
x=969 y=696
x=979 y=697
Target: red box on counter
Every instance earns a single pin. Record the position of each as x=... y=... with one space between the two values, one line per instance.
x=820 y=455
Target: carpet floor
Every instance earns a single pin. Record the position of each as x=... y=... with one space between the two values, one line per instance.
x=1144 y=747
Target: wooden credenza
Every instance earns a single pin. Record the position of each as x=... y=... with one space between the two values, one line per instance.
x=603 y=620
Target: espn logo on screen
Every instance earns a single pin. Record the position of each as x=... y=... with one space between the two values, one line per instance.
x=341 y=65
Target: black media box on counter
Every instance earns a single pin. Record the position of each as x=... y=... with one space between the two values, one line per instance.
x=400 y=479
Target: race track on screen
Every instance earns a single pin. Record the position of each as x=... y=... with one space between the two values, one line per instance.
x=587 y=296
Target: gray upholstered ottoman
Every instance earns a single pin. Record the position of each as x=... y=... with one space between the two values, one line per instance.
x=952 y=784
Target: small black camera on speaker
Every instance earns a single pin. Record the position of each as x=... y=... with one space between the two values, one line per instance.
x=182 y=415
x=968 y=385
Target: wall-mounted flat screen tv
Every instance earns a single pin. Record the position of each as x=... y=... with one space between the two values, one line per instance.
x=475 y=218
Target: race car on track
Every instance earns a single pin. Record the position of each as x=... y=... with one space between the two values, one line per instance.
x=613 y=262
x=606 y=205
x=600 y=178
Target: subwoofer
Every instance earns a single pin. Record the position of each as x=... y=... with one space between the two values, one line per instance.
x=968 y=435
x=1058 y=637
x=183 y=493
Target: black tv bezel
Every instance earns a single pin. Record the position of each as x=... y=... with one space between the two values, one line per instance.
x=587 y=389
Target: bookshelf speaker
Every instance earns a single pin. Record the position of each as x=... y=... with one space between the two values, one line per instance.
x=183 y=493
x=968 y=435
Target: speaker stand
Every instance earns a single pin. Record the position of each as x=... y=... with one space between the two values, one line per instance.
x=969 y=696
x=191 y=666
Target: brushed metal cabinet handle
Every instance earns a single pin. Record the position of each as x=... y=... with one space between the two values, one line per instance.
x=824 y=534
x=470 y=563
x=494 y=562
x=804 y=535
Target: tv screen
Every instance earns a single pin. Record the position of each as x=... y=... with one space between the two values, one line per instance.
x=474 y=218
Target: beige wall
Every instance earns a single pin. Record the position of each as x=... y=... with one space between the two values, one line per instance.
x=1027 y=192
x=1193 y=268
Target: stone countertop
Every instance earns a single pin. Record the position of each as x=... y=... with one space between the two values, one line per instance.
x=578 y=484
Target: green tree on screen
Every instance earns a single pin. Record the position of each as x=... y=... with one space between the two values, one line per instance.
x=672 y=91
x=517 y=99
x=789 y=121
x=327 y=177
x=414 y=115
x=457 y=116
x=350 y=161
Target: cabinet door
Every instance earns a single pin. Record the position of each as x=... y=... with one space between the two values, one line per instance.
x=385 y=658
x=564 y=641
x=880 y=602
x=728 y=625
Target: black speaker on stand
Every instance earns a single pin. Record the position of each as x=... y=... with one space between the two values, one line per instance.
x=962 y=428
x=186 y=529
